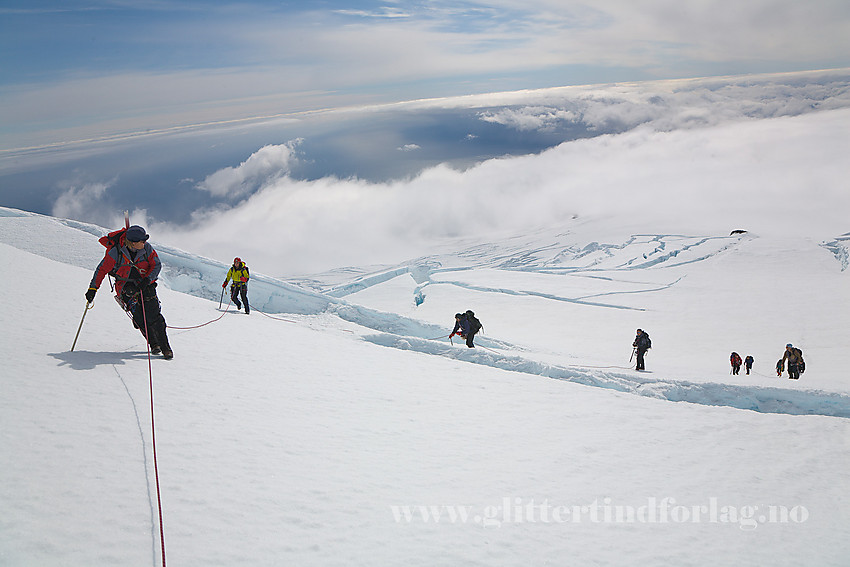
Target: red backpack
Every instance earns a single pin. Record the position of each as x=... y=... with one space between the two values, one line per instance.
x=113 y=239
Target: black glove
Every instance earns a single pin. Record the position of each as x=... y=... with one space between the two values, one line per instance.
x=90 y=294
x=144 y=282
x=130 y=289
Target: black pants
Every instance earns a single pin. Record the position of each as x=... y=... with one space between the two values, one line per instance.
x=469 y=337
x=793 y=371
x=147 y=315
x=235 y=292
x=640 y=362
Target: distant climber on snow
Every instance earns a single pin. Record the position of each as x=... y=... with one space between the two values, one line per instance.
x=135 y=266
x=238 y=272
x=748 y=363
x=466 y=326
x=642 y=344
x=736 y=361
x=796 y=364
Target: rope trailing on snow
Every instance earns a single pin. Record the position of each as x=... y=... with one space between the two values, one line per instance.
x=229 y=303
x=275 y=318
x=203 y=324
x=153 y=438
x=487 y=349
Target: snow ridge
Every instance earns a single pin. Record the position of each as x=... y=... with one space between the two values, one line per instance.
x=201 y=277
x=755 y=398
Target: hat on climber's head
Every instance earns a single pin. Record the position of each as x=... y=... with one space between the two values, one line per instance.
x=136 y=234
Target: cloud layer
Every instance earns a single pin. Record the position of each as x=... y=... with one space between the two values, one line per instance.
x=693 y=157
x=783 y=175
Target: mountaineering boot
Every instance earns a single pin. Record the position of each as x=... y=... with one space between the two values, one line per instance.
x=154 y=343
x=167 y=353
x=162 y=342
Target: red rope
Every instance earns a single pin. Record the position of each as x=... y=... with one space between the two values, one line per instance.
x=275 y=318
x=153 y=437
x=202 y=324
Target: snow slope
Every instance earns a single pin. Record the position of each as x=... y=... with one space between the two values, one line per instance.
x=299 y=438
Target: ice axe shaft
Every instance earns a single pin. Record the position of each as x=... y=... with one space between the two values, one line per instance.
x=88 y=306
x=222 y=298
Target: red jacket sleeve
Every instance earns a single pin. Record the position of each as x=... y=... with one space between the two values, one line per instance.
x=103 y=268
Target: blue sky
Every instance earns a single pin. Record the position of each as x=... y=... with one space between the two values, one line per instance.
x=85 y=69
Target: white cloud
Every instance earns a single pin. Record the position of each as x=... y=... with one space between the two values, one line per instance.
x=409 y=148
x=785 y=175
x=384 y=12
x=669 y=105
x=80 y=199
x=90 y=200
x=263 y=166
x=529 y=117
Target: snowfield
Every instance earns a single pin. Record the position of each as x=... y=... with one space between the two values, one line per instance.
x=295 y=436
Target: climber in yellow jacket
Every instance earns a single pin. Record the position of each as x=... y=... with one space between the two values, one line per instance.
x=238 y=272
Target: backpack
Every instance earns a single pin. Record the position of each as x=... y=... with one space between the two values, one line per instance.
x=113 y=239
x=736 y=359
x=474 y=324
x=645 y=341
x=802 y=364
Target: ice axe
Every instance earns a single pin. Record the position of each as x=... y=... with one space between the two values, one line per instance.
x=88 y=306
x=222 y=298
